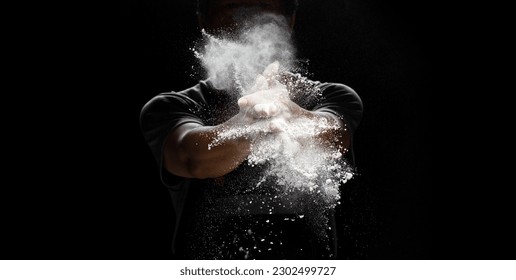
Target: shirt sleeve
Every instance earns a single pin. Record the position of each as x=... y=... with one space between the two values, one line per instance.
x=342 y=101
x=161 y=115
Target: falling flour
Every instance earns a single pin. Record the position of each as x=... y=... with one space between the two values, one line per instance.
x=296 y=160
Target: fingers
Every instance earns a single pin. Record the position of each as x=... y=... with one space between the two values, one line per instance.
x=255 y=109
x=260 y=83
x=276 y=126
x=267 y=79
x=251 y=100
x=278 y=94
x=242 y=102
x=272 y=69
x=266 y=110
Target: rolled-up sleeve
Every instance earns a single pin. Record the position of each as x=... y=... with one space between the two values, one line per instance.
x=161 y=115
x=342 y=101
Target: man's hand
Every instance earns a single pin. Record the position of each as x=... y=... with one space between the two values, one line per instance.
x=267 y=105
x=265 y=110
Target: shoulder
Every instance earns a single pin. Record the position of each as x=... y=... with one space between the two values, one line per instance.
x=341 y=91
x=194 y=94
x=334 y=86
x=337 y=88
x=192 y=97
x=342 y=100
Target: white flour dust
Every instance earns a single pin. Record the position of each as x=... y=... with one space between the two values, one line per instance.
x=295 y=156
x=287 y=152
x=236 y=62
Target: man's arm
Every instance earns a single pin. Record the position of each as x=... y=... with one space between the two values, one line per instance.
x=187 y=152
x=340 y=137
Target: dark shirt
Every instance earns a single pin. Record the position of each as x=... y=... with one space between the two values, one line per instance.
x=219 y=218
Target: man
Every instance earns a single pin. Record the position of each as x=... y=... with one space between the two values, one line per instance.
x=225 y=207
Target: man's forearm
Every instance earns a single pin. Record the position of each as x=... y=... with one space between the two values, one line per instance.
x=334 y=133
x=188 y=152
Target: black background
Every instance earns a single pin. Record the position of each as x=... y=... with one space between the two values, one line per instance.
x=87 y=186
